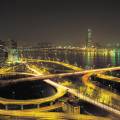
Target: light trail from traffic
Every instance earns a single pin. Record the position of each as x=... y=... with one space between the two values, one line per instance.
x=39 y=76
x=108 y=77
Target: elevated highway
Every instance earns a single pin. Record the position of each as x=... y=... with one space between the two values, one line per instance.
x=60 y=93
x=50 y=76
x=46 y=78
x=108 y=77
x=98 y=103
x=55 y=62
x=85 y=98
x=51 y=115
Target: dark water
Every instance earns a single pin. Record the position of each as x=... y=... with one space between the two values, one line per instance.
x=98 y=59
x=84 y=59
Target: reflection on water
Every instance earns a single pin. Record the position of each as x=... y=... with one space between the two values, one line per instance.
x=96 y=59
x=86 y=59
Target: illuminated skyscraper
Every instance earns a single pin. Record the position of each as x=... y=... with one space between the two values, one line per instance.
x=89 y=41
x=13 y=55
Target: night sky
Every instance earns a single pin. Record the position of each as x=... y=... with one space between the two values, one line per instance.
x=59 y=21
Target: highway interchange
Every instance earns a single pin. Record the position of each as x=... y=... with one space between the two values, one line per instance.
x=37 y=74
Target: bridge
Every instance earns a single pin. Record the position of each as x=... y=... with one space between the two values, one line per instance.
x=85 y=98
x=51 y=115
x=97 y=103
x=86 y=74
x=50 y=76
x=107 y=77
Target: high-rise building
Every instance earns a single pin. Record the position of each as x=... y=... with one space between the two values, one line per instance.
x=11 y=44
x=3 y=52
x=13 y=55
x=89 y=41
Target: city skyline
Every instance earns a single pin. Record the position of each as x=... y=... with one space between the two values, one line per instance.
x=59 y=59
x=60 y=22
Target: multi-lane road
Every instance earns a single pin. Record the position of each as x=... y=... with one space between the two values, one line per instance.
x=61 y=90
